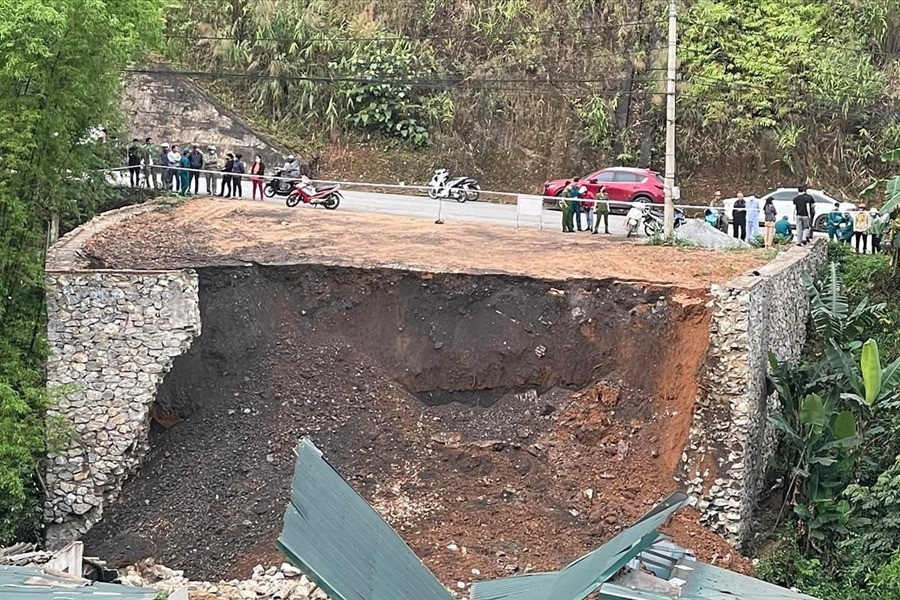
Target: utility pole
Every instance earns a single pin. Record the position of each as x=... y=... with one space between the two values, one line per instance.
x=669 y=214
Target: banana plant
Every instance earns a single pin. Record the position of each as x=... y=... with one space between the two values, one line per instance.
x=824 y=441
x=872 y=386
x=831 y=312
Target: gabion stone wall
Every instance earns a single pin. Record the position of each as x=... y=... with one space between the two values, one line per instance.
x=112 y=335
x=731 y=439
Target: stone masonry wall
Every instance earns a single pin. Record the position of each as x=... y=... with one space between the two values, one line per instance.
x=173 y=110
x=113 y=335
x=731 y=439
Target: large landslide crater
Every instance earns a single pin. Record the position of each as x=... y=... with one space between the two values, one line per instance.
x=523 y=421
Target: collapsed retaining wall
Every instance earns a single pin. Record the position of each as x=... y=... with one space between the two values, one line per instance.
x=731 y=439
x=113 y=335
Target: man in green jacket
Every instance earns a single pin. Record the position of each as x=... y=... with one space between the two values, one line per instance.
x=783 y=227
x=601 y=210
x=568 y=221
x=876 y=230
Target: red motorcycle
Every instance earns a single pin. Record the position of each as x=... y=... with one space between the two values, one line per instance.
x=304 y=191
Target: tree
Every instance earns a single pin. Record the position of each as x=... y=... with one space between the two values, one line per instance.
x=59 y=79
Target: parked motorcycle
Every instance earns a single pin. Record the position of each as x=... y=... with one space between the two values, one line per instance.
x=633 y=218
x=279 y=186
x=458 y=188
x=653 y=220
x=304 y=191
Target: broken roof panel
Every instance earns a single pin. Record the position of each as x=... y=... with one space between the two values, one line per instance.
x=30 y=583
x=341 y=543
x=334 y=536
x=582 y=576
x=706 y=582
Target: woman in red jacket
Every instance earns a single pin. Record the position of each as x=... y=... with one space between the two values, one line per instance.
x=258 y=170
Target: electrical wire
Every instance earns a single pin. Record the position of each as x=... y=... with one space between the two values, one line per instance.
x=410 y=38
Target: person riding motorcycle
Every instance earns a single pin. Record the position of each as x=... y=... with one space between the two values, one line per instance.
x=289 y=172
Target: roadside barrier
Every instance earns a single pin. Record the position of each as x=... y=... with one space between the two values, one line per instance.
x=528 y=206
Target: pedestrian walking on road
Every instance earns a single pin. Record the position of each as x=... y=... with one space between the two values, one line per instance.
x=802 y=203
x=185 y=172
x=752 y=218
x=862 y=220
x=211 y=164
x=238 y=168
x=601 y=210
x=769 y=214
x=227 y=176
x=258 y=170
x=134 y=162
x=739 y=217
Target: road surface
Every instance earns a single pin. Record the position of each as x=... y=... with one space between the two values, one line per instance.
x=423 y=207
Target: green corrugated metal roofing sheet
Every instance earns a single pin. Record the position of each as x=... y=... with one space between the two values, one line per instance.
x=706 y=582
x=584 y=575
x=337 y=539
x=27 y=583
x=341 y=543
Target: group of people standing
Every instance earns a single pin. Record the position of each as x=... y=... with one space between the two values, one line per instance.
x=576 y=200
x=169 y=167
x=861 y=226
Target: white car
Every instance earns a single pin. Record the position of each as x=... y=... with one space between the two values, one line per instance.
x=783 y=199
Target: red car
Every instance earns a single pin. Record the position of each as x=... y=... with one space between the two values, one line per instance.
x=623 y=184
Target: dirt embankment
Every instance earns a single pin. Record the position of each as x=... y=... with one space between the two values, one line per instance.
x=489 y=412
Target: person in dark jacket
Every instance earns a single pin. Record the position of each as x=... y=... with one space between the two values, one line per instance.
x=185 y=172
x=195 y=158
x=739 y=217
x=239 y=167
x=162 y=163
x=577 y=208
x=258 y=169
x=227 y=177
x=134 y=162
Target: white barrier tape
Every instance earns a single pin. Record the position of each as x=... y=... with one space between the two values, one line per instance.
x=423 y=188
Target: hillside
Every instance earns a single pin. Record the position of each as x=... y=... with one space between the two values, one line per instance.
x=516 y=91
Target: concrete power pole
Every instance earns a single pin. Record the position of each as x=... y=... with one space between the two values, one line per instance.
x=669 y=214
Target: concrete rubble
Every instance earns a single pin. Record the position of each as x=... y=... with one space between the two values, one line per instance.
x=284 y=582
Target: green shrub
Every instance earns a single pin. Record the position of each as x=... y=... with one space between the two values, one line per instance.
x=21 y=446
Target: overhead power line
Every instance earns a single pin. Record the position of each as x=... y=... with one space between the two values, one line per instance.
x=410 y=38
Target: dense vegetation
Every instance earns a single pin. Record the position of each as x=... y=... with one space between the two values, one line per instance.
x=59 y=78
x=840 y=425
x=788 y=88
x=773 y=90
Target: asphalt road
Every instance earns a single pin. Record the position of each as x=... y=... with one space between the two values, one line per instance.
x=423 y=207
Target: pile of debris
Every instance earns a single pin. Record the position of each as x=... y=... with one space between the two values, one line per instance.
x=701 y=233
x=279 y=583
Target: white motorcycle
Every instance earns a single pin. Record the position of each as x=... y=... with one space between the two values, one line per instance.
x=458 y=188
x=633 y=218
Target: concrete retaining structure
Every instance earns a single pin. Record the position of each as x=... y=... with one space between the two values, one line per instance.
x=113 y=335
x=731 y=439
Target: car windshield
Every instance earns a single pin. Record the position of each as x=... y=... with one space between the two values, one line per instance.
x=658 y=177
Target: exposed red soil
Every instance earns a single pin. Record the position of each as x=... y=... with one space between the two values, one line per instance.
x=523 y=421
